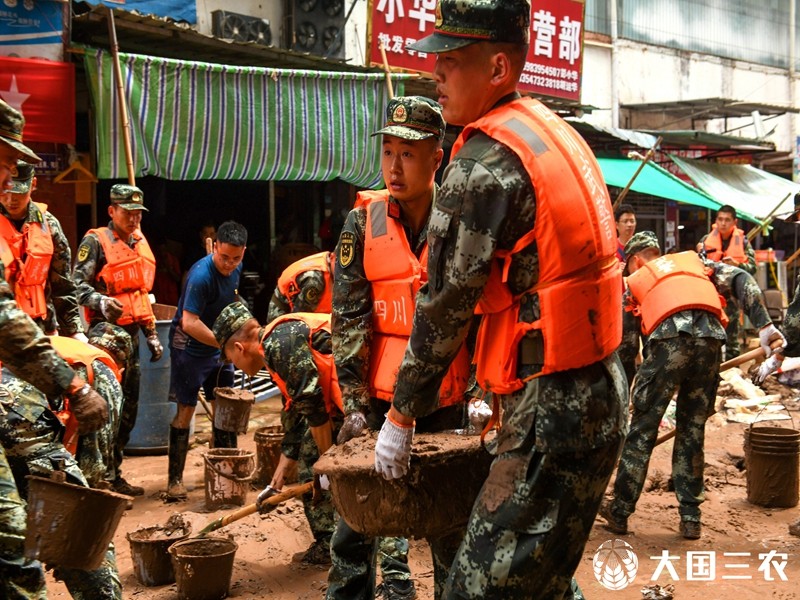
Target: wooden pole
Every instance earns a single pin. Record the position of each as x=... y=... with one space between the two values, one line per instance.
x=123 y=109
x=646 y=159
x=388 y=72
x=767 y=220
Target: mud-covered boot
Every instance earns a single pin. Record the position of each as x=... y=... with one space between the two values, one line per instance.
x=224 y=439
x=178 y=448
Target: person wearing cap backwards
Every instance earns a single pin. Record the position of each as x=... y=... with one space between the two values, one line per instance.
x=677 y=302
x=728 y=244
x=519 y=178
x=211 y=284
x=114 y=271
x=40 y=273
x=296 y=350
x=26 y=352
x=381 y=261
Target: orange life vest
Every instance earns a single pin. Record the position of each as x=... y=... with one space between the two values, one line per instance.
x=76 y=352
x=287 y=282
x=32 y=249
x=6 y=256
x=396 y=275
x=579 y=288
x=713 y=246
x=128 y=274
x=670 y=284
x=328 y=380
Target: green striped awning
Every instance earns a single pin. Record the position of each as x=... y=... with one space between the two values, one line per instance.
x=193 y=120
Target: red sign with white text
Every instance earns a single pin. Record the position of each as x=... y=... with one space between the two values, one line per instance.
x=44 y=91
x=555 y=57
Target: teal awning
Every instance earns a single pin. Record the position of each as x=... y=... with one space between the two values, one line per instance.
x=653 y=180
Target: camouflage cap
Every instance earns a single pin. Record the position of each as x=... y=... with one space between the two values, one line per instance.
x=463 y=22
x=22 y=176
x=641 y=241
x=114 y=340
x=127 y=196
x=11 y=124
x=413 y=118
x=229 y=321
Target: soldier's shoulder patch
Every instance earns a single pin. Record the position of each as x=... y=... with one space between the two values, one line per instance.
x=83 y=252
x=347 y=244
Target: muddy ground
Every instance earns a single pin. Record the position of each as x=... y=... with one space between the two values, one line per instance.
x=264 y=567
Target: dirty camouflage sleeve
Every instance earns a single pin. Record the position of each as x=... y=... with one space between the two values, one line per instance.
x=24 y=349
x=62 y=290
x=351 y=314
x=740 y=284
x=791 y=325
x=88 y=262
x=293 y=429
x=486 y=202
x=287 y=353
x=631 y=334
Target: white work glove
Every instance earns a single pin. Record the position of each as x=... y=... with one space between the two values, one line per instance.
x=767 y=368
x=768 y=335
x=324 y=483
x=393 y=450
x=478 y=414
x=81 y=337
x=263 y=495
x=155 y=347
x=111 y=308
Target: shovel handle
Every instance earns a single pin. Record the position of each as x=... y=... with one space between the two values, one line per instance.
x=728 y=364
x=251 y=508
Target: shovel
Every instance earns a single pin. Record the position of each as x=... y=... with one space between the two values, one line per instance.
x=728 y=364
x=251 y=508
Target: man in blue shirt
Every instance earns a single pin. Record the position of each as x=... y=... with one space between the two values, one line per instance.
x=212 y=284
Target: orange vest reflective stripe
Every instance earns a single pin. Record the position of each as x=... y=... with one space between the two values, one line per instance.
x=396 y=275
x=128 y=274
x=287 y=282
x=328 y=380
x=670 y=284
x=713 y=246
x=76 y=352
x=33 y=250
x=579 y=288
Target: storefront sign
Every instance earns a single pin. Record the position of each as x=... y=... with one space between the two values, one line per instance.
x=32 y=29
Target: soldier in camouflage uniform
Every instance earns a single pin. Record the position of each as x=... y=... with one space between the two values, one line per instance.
x=31 y=436
x=302 y=287
x=562 y=428
x=17 y=214
x=25 y=351
x=411 y=143
x=126 y=212
x=311 y=418
x=725 y=228
x=682 y=354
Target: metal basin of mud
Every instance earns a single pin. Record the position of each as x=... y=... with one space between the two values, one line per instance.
x=435 y=497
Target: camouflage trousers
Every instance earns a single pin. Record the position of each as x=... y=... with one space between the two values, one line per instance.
x=529 y=544
x=690 y=367
x=130 y=405
x=20 y=579
x=321 y=515
x=733 y=331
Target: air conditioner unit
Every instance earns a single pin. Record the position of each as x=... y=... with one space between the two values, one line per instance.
x=240 y=28
x=319 y=27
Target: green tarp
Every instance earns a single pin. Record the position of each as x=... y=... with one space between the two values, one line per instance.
x=749 y=190
x=192 y=120
x=653 y=180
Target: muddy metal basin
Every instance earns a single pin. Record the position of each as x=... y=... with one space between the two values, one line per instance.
x=435 y=497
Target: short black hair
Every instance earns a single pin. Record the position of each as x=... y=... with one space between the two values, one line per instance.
x=233 y=233
x=727 y=208
x=623 y=208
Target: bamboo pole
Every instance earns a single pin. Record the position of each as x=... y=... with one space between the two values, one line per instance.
x=123 y=109
x=646 y=159
x=388 y=71
x=767 y=220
